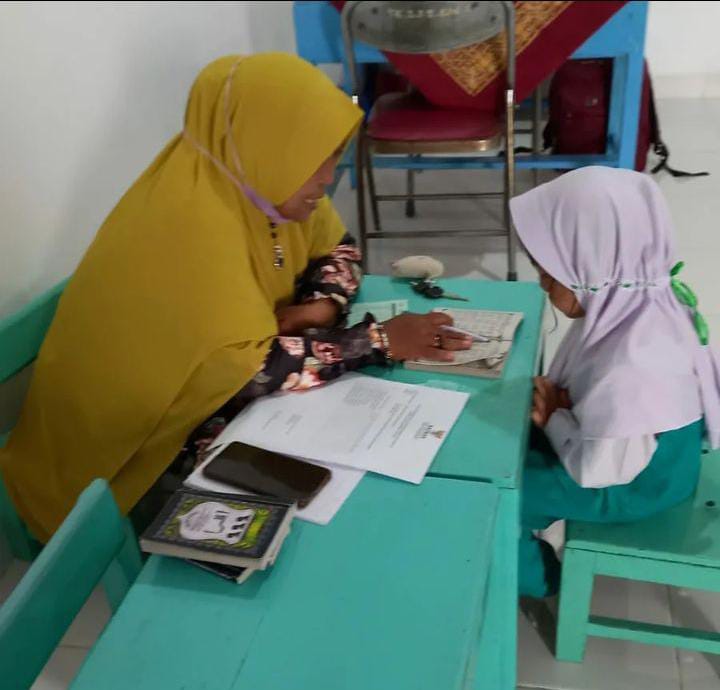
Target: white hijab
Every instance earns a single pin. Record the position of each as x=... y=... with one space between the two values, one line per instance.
x=634 y=365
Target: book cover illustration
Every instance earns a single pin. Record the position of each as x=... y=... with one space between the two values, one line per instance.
x=218 y=523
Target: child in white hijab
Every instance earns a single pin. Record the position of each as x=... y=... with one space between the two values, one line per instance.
x=634 y=387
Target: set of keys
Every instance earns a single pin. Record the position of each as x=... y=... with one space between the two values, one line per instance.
x=431 y=290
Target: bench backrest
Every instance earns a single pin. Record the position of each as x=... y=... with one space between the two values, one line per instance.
x=93 y=543
x=21 y=335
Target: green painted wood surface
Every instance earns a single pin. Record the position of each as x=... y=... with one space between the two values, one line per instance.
x=389 y=595
x=497 y=646
x=490 y=439
x=651 y=633
x=21 y=543
x=680 y=547
x=488 y=443
x=663 y=572
x=688 y=533
x=22 y=333
x=575 y=596
x=40 y=609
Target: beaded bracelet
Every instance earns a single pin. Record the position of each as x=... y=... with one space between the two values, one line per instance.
x=384 y=341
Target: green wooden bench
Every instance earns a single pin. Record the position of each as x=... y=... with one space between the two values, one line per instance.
x=680 y=547
x=94 y=542
x=21 y=335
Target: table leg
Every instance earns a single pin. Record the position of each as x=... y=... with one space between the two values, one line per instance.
x=625 y=92
x=496 y=667
x=624 y=113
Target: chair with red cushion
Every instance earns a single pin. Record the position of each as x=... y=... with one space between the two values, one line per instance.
x=405 y=123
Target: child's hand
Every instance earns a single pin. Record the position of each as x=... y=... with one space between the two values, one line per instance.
x=546 y=399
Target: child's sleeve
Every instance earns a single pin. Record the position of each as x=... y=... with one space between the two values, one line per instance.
x=597 y=463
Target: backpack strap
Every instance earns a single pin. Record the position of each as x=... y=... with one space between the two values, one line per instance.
x=659 y=147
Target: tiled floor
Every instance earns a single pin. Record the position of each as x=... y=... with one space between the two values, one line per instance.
x=692 y=130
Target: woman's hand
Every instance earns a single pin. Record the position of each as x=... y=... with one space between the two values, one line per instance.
x=420 y=336
x=295 y=320
x=546 y=399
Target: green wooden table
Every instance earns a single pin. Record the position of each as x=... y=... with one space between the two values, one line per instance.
x=410 y=587
x=488 y=443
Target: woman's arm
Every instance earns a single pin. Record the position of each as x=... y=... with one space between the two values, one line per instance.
x=325 y=291
x=321 y=355
x=300 y=363
x=336 y=276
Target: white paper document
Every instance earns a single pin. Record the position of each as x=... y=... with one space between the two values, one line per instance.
x=358 y=421
x=321 y=509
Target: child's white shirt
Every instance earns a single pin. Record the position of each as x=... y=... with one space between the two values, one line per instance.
x=597 y=463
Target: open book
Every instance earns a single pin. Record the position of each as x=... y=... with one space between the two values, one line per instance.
x=485 y=359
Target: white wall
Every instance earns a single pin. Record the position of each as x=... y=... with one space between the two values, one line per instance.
x=683 y=50
x=90 y=93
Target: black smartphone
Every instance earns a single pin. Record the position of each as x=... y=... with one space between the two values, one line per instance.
x=264 y=472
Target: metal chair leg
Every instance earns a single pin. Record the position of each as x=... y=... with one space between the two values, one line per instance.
x=410 y=203
x=510 y=182
x=371 y=186
x=536 y=133
x=360 y=199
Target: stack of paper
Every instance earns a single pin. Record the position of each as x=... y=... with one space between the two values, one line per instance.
x=355 y=424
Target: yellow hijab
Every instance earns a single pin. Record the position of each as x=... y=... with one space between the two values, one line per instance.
x=171 y=311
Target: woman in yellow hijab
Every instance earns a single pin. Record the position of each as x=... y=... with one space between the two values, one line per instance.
x=177 y=306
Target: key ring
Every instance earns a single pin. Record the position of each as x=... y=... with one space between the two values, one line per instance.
x=427 y=288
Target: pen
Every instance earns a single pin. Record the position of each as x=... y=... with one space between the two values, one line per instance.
x=459 y=331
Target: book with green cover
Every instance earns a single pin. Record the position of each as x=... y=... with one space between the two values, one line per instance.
x=243 y=531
